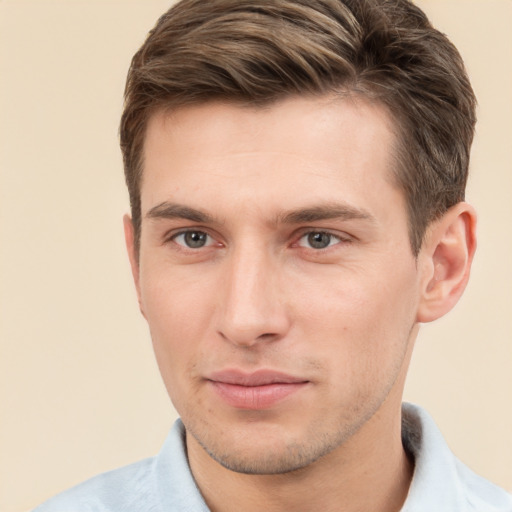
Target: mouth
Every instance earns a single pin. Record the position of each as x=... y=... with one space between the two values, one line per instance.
x=258 y=390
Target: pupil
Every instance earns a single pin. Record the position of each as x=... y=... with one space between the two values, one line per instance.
x=319 y=240
x=195 y=239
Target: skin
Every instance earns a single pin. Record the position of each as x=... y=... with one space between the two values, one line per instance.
x=259 y=188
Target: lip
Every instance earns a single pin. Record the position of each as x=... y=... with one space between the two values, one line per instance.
x=261 y=389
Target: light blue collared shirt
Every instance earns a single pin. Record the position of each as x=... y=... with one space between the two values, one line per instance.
x=164 y=483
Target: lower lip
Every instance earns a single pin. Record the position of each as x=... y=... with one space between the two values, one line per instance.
x=256 y=397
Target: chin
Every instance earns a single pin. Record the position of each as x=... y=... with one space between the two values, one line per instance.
x=267 y=460
x=266 y=451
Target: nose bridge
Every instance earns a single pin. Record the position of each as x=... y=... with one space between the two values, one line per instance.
x=251 y=310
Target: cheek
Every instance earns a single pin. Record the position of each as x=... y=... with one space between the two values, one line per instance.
x=175 y=301
x=359 y=321
x=178 y=316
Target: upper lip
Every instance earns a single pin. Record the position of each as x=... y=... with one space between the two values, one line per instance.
x=257 y=378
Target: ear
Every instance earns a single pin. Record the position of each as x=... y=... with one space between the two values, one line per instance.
x=446 y=254
x=129 y=237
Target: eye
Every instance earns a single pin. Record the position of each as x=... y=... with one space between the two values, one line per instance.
x=193 y=239
x=318 y=240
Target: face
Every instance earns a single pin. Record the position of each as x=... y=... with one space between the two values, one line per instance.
x=276 y=275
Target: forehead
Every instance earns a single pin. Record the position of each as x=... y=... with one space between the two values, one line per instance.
x=298 y=149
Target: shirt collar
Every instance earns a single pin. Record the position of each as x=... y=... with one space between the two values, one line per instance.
x=440 y=482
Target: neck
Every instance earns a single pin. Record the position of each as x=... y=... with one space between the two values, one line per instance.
x=370 y=472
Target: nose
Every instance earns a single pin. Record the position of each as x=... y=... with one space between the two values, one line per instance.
x=252 y=307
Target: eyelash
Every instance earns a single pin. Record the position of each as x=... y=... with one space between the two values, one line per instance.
x=339 y=239
x=174 y=236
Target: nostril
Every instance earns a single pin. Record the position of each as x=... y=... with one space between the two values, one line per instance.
x=246 y=339
x=266 y=336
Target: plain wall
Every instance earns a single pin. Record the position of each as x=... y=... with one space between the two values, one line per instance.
x=79 y=389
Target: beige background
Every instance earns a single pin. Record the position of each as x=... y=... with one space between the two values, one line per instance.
x=79 y=390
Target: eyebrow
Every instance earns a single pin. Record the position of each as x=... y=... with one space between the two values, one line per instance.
x=327 y=211
x=167 y=210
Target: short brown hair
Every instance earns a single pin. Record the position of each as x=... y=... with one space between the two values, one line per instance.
x=259 y=51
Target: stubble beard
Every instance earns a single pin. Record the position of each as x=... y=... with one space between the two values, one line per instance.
x=289 y=455
x=321 y=437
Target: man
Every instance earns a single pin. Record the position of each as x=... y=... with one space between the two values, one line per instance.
x=296 y=174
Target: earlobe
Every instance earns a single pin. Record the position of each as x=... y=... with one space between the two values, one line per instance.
x=129 y=237
x=447 y=255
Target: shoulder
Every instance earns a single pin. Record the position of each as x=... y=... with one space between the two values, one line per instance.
x=480 y=494
x=440 y=480
x=157 y=484
x=127 y=488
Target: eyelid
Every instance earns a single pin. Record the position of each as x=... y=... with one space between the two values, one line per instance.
x=342 y=237
x=174 y=232
x=171 y=235
x=207 y=243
